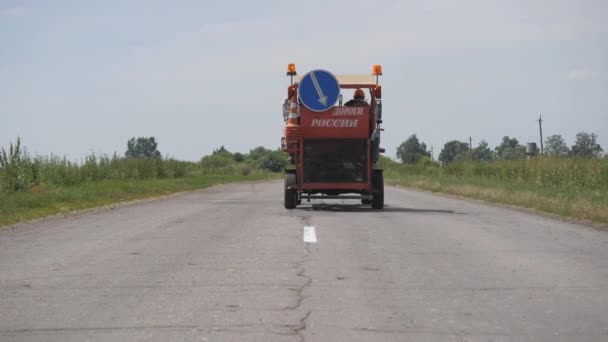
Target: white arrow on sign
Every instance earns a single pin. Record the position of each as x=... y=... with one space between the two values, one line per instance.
x=322 y=98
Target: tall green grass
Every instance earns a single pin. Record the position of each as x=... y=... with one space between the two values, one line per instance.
x=32 y=187
x=19 y=171
x=574 y=187
x=580 y=173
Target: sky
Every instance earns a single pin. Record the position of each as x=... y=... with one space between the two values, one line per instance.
x=80 y=77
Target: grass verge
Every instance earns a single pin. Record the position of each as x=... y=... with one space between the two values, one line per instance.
x=40 y=202
x=573 y=202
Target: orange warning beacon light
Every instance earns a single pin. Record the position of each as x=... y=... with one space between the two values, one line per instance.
x=377 y=70
x=291 y=69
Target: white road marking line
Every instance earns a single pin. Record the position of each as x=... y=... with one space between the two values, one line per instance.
x=309 y=234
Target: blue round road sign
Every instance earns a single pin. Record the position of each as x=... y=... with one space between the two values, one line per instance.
x=319 y=90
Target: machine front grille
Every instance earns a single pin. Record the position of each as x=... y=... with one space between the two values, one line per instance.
x=335 y=160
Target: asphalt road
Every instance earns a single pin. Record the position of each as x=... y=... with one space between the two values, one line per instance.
x=230 y=264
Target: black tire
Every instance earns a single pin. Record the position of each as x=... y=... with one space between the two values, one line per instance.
x=378 y=189
x=291 y=196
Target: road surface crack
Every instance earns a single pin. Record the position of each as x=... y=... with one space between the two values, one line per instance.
x=300 y=328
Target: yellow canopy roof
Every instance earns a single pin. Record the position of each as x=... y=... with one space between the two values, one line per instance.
x=353 y=80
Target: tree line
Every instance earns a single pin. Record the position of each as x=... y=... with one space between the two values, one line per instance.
x=142 y=160
x=259 y=157
x=585 y=145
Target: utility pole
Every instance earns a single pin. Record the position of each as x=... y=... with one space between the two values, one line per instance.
x=431 y=152
x=470 y=148
x=540 y=128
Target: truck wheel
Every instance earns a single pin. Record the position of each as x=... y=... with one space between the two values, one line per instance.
x=378 y=190
x=291 y=196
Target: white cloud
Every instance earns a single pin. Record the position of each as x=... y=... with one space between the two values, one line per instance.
x=580 y=74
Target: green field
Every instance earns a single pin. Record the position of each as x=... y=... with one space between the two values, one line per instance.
x=34 y=187
x=571 y=187
x=26 y=205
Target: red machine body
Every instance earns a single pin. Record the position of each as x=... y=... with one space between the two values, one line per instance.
x=333 y=152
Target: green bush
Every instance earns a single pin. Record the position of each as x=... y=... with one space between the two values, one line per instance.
x=238 y=157
x=274 y=161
